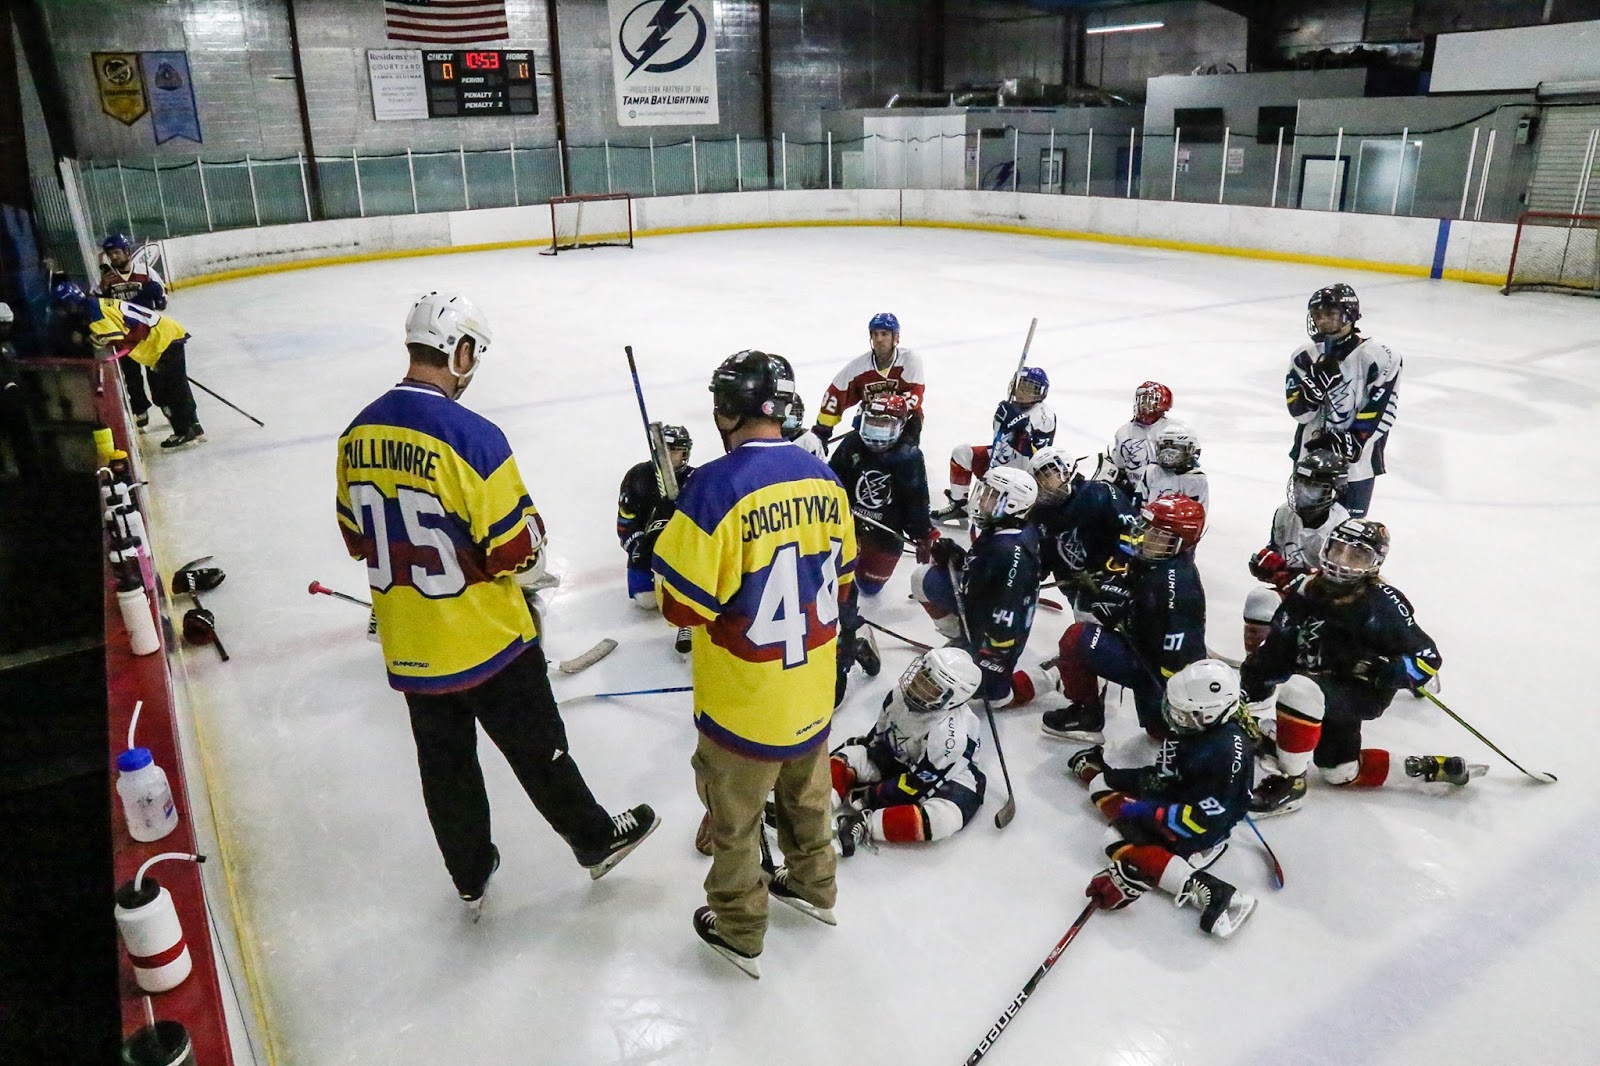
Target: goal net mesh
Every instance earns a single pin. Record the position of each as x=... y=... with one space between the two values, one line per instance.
x=1556 y=253
x=590 y=221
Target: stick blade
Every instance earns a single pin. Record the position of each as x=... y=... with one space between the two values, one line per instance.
x=1008 y=812
x=588 y=658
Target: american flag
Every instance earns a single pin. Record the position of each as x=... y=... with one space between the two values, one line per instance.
x=446 y=21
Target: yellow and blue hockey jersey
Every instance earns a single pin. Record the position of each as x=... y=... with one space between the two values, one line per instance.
x=134 y=331
x=429 y=495
x=759 y=557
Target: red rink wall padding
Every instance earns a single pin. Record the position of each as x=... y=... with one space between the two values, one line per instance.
x=197 y=1002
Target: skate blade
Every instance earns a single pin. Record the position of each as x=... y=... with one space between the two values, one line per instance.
x=605 y=866
x=749 y=966
x=1287 y=808
x=824 y=915
x=1087 y=736
x=474 y=910
x=1230 y=920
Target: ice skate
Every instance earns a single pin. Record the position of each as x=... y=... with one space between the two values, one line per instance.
x=781 y=889
x=1278 y=794
x=1077 y=721
x=953 y=513
x=867 y=656
x=628 y=831
x=474 y=900
x=705 y=927
x=1451 y=769
x=1223 y=908
x=852 y=832
x=194 y=435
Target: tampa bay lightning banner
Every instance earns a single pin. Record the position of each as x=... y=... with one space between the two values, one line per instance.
x=172 y=108
x=664 y=62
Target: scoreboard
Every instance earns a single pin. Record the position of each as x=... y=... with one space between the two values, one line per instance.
x=479 y=83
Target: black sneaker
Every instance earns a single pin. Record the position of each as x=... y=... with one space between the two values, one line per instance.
x=474 y=900
x=780 y=888
x=1451 y=769
x=705 y=927
x=1077 y=721
x=628 y=831
x=1278 y=794
x=867 y=656
x=178 y=440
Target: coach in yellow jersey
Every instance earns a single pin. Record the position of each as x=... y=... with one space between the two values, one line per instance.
x=430 y=497
x=758 y=559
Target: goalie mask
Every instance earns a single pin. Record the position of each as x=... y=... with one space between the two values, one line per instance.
x=883 y=420
x=1004 y=493
x=1055 y=475
x=1354 y=551
x=1200 y=695
x=939 y=680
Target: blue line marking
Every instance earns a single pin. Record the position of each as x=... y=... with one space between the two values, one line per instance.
x=1439 y=246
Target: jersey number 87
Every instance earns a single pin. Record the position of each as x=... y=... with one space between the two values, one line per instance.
x=780 y=618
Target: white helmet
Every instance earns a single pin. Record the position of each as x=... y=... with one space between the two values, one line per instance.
x=5 y=312
x=440 y=319
x=1063 y=466
x=1200 y=695
x=1177 y=448
x=1004 y=492
x=939 y=680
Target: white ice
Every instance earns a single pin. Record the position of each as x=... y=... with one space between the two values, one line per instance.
x=1413 y=928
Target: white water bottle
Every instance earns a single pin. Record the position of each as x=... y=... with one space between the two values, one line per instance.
x=134 y=603
x=146 y=795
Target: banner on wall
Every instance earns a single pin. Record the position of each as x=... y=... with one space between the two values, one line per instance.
x=116 y=74
x=398 y=88
x=664 y=62
x=172 y=107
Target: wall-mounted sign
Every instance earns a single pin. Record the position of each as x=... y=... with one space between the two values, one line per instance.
x=172 y=107
x=664 y=62
x=116 y=75
x=398 y=91
x=1235 y=160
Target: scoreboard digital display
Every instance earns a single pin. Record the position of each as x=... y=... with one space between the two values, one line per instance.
x=479 y=83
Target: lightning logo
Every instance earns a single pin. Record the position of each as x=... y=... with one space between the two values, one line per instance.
x=660 y=25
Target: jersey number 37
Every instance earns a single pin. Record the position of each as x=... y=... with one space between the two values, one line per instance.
x=781 y=617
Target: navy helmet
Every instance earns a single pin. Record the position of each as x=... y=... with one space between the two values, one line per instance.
x=884 y=320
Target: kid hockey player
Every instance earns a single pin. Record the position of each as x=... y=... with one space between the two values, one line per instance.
x=1085 y=526
x=885 y=368
x=914 y=776
x=1171 y=820
x=998 y=575
x=1133 y=445
x=1343 y=643
x=795 y=431
x=1299 y=527
x=642 y=513
x=1023 y=424
x=1176 y=467
x=1152 y=623
x=1343 y=389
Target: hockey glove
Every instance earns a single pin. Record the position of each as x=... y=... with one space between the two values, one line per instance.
x=946 y=553
x=822 y=433
x=1344 y=443
x=1267 y=565
x=925 y=546
x=1088 y=763
x=1116 y=886
x=1320 y=381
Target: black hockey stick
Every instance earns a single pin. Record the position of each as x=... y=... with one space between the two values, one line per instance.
x=897 y=636
x=1027 y=990
x=907 y=546
x=1541 y=777
x=1009 y=810
x=230 y=403
x=666 y=476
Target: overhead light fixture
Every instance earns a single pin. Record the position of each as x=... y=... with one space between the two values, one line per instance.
x=1127 y=27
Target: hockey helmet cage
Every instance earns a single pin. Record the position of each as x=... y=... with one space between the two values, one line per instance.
x=883 y=420
x=440 y=319
x=884 y=320
x=1341 y=297
x=1150 y=401
x=677 y=437
x=1177 y=448
x=939 y=680
x=1005 y=492
x=1169 y=524
x=1200 y=695
x=753 y=384
x=1030 y=385
x=1319 y=477
x=1055 y=474
x=1354 y=551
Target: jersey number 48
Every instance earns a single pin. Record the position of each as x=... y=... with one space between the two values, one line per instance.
x=781 y=618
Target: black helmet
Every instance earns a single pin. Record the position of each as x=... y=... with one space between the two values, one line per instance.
x=1319 y=477
x=752 y=384
x=677 y=437
x=1354 y=551
x=1340 y=296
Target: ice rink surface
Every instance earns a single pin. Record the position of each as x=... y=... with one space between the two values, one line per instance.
x=1414 y=927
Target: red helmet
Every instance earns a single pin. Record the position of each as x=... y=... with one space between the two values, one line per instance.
x=890 y=404
x=1169 y=524
x=882 y=420
x=1150 y=401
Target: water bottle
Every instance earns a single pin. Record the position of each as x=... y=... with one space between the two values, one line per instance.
x=146 y=796
x=151 y=934
x=134 y=603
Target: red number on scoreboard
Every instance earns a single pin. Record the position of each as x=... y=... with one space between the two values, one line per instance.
x=447 y=71
x=482 y=60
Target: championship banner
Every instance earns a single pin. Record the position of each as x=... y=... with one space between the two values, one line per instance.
x=664 y=62
x=121 y=88
x=172 y=107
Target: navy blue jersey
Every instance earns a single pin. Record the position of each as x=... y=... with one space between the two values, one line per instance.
x=890 y=487
x=1196 y=791
x=1373 y=639
x=1000 y=587
x=642 y=511
x=1159 y=605
x=1087 y=531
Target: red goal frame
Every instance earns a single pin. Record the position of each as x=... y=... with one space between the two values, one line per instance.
x=607 y=239
x=1550 y=219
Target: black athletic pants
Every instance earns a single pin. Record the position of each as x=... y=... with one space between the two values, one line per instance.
x=519 y=714
x=169 y=387
x=133 y=381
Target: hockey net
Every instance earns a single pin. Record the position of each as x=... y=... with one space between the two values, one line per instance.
x=1555 y=252
x=590 y=221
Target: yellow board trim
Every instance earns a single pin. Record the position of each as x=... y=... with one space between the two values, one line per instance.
x=1477 y=277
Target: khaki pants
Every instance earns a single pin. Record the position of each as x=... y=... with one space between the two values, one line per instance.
x=734 y=790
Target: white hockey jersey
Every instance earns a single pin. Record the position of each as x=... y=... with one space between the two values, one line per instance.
x=930 y=750
x=1362 y=402
x=813 y=444
x=1132 y=448
x=1299 y=544
x=1020 y=434
x=1154 y=480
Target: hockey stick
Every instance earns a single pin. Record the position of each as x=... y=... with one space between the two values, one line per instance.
x=907 y=546
x=318 y=588
x=666 y=476
x=1541 y=777
x=919 y=645
x=1009 y=810
x=230 y=403
x=1277 y=867
x=1027 y=990
x=631 y=692
x=1022 y=361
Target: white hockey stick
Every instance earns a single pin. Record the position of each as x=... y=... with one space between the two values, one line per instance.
x=579 y=663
